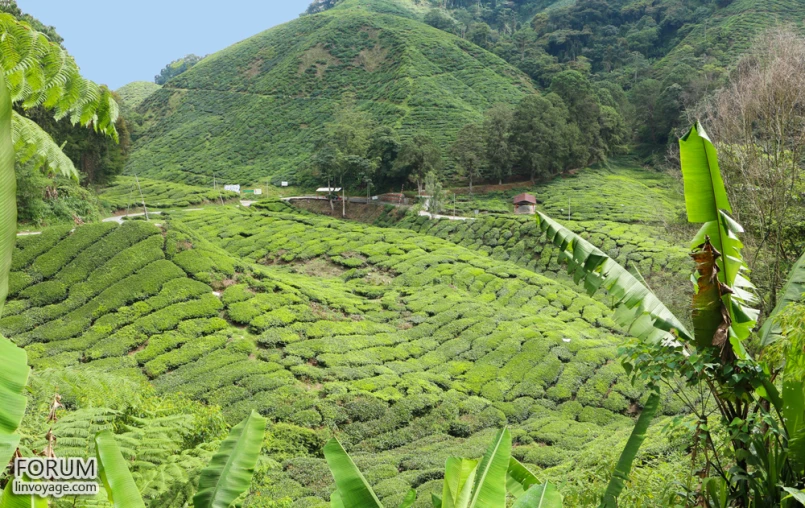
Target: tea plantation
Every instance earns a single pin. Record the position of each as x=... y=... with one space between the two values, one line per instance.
x=258 y=108
x=124 y=194
x=406 y=346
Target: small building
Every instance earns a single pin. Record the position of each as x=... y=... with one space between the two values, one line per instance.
x=525 y=204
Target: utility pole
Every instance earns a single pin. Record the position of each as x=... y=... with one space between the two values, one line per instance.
x=141 y=196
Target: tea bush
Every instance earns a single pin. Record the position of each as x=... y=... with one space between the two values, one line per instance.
x=416 y=353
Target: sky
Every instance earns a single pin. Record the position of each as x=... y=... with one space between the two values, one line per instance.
x=119 y=41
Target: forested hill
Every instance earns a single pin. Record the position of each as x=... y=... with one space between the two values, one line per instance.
x=665 y=55
x=259 y=107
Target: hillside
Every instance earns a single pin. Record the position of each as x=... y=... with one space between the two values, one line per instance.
x=127 y=193
x=133 y=94
x=258 y=108
x=411 y=346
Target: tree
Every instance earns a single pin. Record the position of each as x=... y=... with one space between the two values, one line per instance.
x=418 y=157
x=349 y=135
x=384 y=147
x=323 y=164
x=582 y=105
x=468 y=151
x=177 y=67
x=645 y=97
x=540 y=136
x=437 y=18
x=757 y=121
x=435 y=192
x=497 y=135
x=97 y=157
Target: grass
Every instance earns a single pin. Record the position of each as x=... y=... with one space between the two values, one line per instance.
x=257 y=109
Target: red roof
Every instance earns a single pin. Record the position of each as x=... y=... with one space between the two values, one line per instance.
x=523 y=199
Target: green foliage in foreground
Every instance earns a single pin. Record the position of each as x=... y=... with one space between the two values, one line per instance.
x=760 y=460
x=467 y=483
x=260 y=107
x=124 y=194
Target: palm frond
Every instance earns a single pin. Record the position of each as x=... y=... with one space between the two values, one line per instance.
x=32 y=144
x=40 y=73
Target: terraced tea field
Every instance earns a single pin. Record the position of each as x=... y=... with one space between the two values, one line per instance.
x=623 y=193
x=406 y=346
x=125 y=194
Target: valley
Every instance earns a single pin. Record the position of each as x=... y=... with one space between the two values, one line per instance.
x=414 y=253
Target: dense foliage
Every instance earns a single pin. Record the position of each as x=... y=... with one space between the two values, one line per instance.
x=71 y=142
x=176 y=67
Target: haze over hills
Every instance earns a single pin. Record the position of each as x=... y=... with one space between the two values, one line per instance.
x=258 y=108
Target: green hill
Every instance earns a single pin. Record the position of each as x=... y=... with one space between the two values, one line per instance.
x=133 y=94
x=258 y=108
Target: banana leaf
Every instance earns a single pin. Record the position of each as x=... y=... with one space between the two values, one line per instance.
x=771 y=331
x=230 y=471
x=14 y=373
x=114 y=472
x=459 y=478
x=636 y=308
x=11 y=500
x=409 y=499
x=707 y=203
x=519 y=479
x=540 y=496
x=436 y=501
x=490 y=479
x=353 y=489
x=8 y=192
x=624 y=465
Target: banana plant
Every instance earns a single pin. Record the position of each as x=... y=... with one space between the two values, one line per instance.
x=723 y=312
x=11 y=500
x=352 y=489
x=229 y=474
x=115 y=474
x=771 y=331
x=624 y=466
x=467 y=483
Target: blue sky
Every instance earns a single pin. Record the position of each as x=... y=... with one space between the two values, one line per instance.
x=119 y=41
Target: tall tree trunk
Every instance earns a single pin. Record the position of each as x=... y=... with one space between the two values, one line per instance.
x=343 y=199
